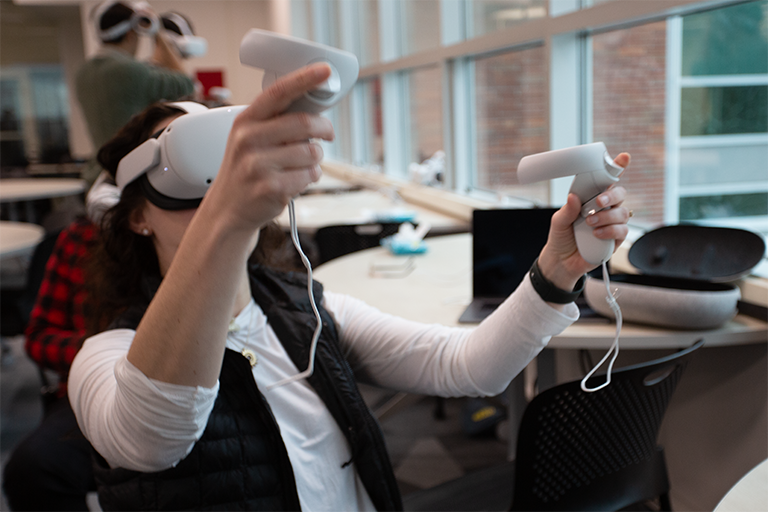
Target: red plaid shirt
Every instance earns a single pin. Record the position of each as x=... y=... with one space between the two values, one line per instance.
x=56 y=326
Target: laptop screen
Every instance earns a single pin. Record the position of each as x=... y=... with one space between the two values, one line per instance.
x=504 y=245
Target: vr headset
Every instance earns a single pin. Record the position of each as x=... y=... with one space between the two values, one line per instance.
x=176 y=169
x=143 y=20
x=181 y=35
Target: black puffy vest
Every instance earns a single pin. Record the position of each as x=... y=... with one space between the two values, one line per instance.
x=240 y=462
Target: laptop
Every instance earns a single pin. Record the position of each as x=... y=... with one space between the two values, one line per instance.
x=504 y=245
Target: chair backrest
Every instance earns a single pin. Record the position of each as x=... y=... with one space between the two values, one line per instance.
x=35 y=273
x=597 y=451
x=335 y=241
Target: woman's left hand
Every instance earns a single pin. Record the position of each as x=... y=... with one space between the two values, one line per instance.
x=560 y=261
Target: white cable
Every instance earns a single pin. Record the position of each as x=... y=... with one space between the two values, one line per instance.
x=611 y=300
x=313 y=347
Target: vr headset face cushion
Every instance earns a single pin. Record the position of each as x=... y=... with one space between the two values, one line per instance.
x=165 y=202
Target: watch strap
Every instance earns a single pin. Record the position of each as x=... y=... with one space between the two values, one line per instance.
x=551 y=293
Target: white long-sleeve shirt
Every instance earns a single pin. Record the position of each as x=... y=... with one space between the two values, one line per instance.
x=142 y=424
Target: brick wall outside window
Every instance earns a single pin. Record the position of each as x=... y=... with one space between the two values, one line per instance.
x=628 y=110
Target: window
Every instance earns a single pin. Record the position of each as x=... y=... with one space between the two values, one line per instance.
x=629 y=110
x=426 y=113
x=368 y=27
x=420 y=25
x=723 y=105
x=510 y=97
x=12 y=152
x=682 y=86
x=374 y=152
x=488 y=16
x=35 y=115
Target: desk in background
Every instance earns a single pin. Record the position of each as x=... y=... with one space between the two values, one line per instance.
x=702 y=452
x=439 y=287
x=314 y=211
x=17 y=243
x=19 y=238
x=18 y=190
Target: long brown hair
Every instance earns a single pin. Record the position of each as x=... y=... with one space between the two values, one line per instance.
x=123 y=261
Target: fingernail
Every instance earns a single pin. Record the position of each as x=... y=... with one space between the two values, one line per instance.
x=602 y=200
x=591 y=220
x=598 y=231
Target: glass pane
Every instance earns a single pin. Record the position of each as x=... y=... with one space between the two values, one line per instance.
x=511 y=119
x=722 y=110
x=735 y=164
x=491 y=15
x=426 y=113
x=12 y=140
x=421 y=25
x=718 y=207
x=628 y=114
x=369 y=31
x=301 y=19
x=728 y=41
x=373 y=119
x=49 y=95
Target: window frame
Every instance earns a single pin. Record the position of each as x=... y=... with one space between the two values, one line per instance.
x=566 y=34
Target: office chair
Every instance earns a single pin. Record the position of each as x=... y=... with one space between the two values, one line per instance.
x=17 y=305
x=577 y=450
x=335 y=241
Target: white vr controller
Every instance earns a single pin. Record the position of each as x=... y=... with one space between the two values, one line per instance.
x=279 y=55
x=184 y=160
x=594 y=172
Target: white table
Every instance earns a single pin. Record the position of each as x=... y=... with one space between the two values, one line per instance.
x=438 y=288
x=749 y=494
x=15 y=190
x=18 y=238
x=29 y=189
x=318 y=210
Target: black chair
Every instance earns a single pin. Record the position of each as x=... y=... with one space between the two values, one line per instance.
x=577 y=450
x=335 y=241
x=17 y=305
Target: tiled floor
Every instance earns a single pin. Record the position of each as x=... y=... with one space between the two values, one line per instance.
x=20 y=404
x=425 y=451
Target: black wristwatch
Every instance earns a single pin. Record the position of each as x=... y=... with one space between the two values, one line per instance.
x=551 y=293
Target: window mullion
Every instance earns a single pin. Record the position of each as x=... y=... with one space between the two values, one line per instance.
x=672 y=121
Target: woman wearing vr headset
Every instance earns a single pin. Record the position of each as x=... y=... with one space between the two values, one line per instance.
x=182 y=395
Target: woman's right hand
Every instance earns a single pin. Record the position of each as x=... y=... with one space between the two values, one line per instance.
x=270 y=156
